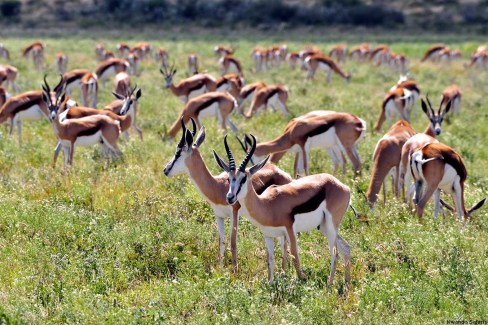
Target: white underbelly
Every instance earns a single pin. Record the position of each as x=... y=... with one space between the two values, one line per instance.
x=223 y=87
x=197 y=92
x=325 y=140
x=310 y=220
x=323 y=66
x=32 y=113
x=209 y=111
x=223 y=211
x=89 y=140
x=233 y=68
x=73 y=85
x=107 y=73
x=450 y=176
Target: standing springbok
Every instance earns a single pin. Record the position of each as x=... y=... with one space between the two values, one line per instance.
x=339 y=52
x=4 y=52
x=142 y=49
x=398 y=101
x=479 y=58
x=229 y=64
x=89 y=89
x=190 y=87
x=317 y=62
x=123 y=50
x=122 y=83
x=452 y=94
x=222 y=51
x=275 y=96
x=293 y=59
x=99 y=49
x=438 y=167
x=433 y=52
x=133 y=58
x=162 y=56
x=360 y=53
x=86 y=131
x=109 y=68
x=36 y=51
x=209 y=104
x=188 y=159
x=338 y=132
x=61 y=62
x=193 y=63
x=8 y=74
x=232 y=83
x=247 y=93
x=312 y=202
x=386 y=160
x=419 y=140
x=380 y=54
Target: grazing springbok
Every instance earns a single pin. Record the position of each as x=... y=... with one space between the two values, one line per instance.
x=123 y=50
x=8 y=75
x=111 y=67
x=86 y=131
x=433 y=53
x=399 y=101
x=36 y=51
x=258 y=55
x=229 y=64
x=419 y=140
x=193 y=63
x=316 y=62
x=399 y=63
x=479 y=58
x=99 y=50
x=338 y=132
x=386 y=160
x=232 y=83
x=222 y=51
x=275 y=96
x=133 y=59
x=161 y=56
x=438 y=167
x=188 y=159
x=311 y=202
x=339 y=52
x=122 y=83
x=107 y=54
x=452 y=94
x=380 y=54
x=142 y=49
x=360 y=53
x=89 y=89
x=190 y=87
x=411 y=85
x=209 y=104
x=61 y=62
x=4 y=52
x=293 y=59
x=247 y=93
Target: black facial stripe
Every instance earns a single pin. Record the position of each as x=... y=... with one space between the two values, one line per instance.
x=243 y=180
x=175 y=158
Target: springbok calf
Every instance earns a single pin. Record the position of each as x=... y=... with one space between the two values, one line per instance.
x=338 y=132
x=193 y=63
x=36 y=51
x=123 y=50
x=399 y=101
x=229 y=64
x=433 y=53
x=190 y=87
x=133 y=59
x=162 y=56
x=86 y=131
x=4 y=52
x=386 y=160
x=438 y=167
x=419 y=140
x=452 y=94
x=142 y=49
x=232 y=83
x=312 y=202
x=339 y=52
x=222 y=51
x=247 y=93
x=275 y=96
x=99 y=50
x=61 y=63
x=89 y=89
x=317 y=62
x=8 y=74
x=209 y=104
x=109 y=68
x=360 y=53
x=188 y=159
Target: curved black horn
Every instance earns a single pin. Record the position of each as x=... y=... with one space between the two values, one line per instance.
x=183 y=129
x=60 y=86
x=48 y=89
x=232 y=163
x=248 y=157
x=430 y=105
x=194 y=127
x=242 y=144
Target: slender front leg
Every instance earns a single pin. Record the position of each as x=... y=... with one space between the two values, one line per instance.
x=221 y=228
x=284 y=252
x=234 y=223
x=345 y=251
x=19 y=131
x=71 y=153
x=270 y=248
x=437 y=203
x=56 y=153
x=295 y=257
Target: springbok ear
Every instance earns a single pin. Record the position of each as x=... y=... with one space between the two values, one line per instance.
x=118 y=96
x=220 y=162
x=138 y=93
x=188 y=139
x=425 y=108
x=448 y=107
x=200 y=137
x=254 y=169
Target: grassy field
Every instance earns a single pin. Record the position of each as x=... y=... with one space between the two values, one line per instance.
x=118 y=242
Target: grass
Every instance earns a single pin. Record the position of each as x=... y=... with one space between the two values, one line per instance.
x=118 y=242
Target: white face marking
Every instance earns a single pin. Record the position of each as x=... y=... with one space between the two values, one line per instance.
x=177 y=164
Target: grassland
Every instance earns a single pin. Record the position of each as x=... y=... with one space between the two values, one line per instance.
x=120 y=243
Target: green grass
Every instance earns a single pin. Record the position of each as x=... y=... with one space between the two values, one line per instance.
x=120 y=243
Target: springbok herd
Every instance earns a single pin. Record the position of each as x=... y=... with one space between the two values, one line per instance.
x=419 y=165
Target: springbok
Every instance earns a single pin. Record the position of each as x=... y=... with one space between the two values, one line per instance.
x=438 y=167
x=452 y=94
x=209 y=104
x=232 y=83
x=229 y=64
x=110 y=68
x=188 y=159
x=312 y=202
x=190 y=87
x=193 y=63
x=317 y=62
x=433 y=52
x=86 y=131
x=72 y=79
x=36 y=51
x=411 y=85
x=142 y=49
x=107 y=54
x=386 y=160
x=338 y=132
x=61 y=63
x=399 y=63
x=222 y=51
x=4 y=52
x=399 y=101
x=479 y=58
x=275 y=96
x=247 y=93
x=133 y=59
x=122 y=83
x=162 y=56
x=123 y=50
x=293 y=59
x=339 y=52
x=8 y=74
x=380 y=54
x=360 y=53
x=99 y=49
x=89 y=89
x=419 y=140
